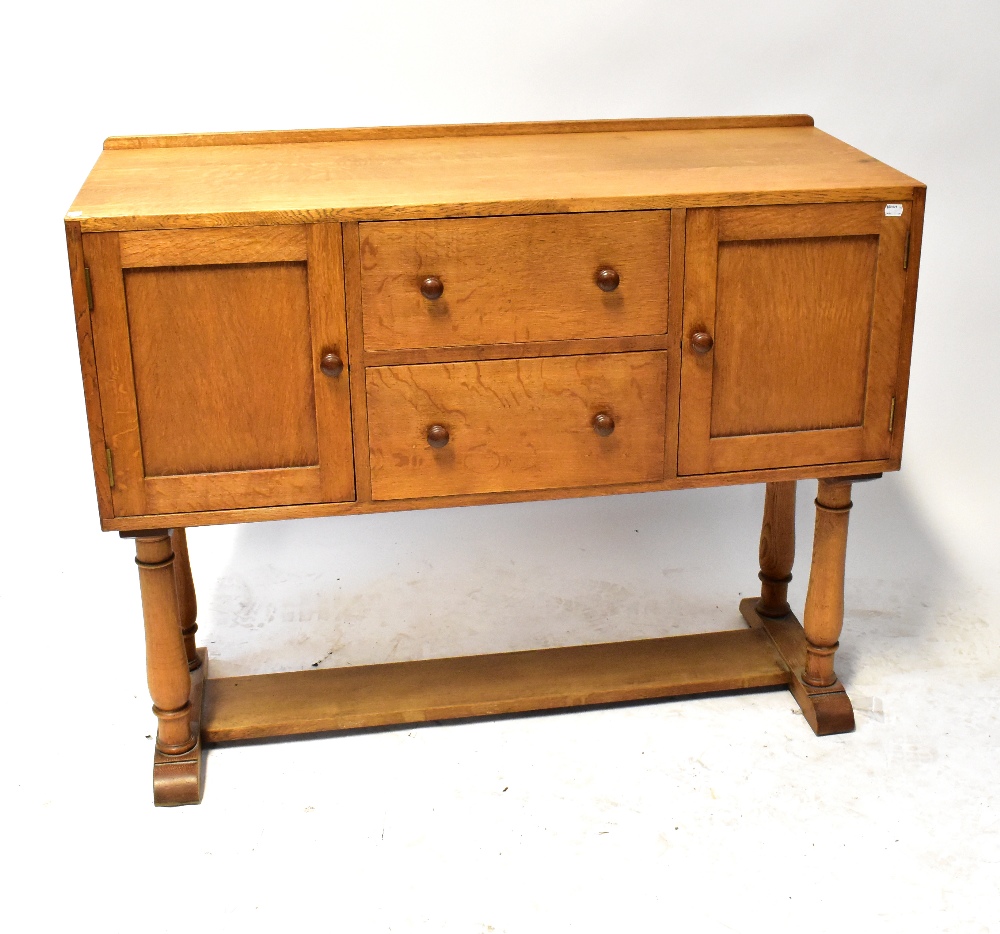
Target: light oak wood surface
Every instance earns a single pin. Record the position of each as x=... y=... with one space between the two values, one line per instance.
x=523 y=173
x=307 y=323
x=777 y=549
x=215 y=395
x=486 y=685
x=515 y=424
x=802 y=334
x=514 y=279
x=255 y=137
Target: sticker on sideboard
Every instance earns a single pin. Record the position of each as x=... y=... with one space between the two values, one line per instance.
x=894 y=210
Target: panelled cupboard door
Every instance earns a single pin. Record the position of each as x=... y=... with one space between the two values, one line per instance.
x=791 y=335
x=221 y=357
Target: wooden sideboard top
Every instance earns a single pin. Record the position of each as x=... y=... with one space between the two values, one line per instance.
x=285 y=177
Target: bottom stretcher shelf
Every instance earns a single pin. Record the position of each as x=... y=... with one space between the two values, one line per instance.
x=311 y=701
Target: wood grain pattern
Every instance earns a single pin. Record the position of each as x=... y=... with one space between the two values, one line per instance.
x=167 y=670
x=514 y=279
x=216 y=398
x=806 y=220
x=487 y=685
x=88 y=368
x=275 y=244
x=564 y=348
x=907 y=322
x=328 y=326
x=394 y=179
x=824 y=615
x=805 y=334
x=515 y=424
x=257 y=137
x=187 y=601
x=359 y=401
x=675 y=313
x=223 y=367
x=179 y=779
x=827 y=710
x=120 y=412
x=792 y=319
x=777 y=549
x=223 y=516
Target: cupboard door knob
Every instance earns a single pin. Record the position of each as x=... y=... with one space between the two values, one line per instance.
x=437 y=436
x=702 y=342
x=603 y=424
x=331 y=364
x=431 y=287
x=607 y=279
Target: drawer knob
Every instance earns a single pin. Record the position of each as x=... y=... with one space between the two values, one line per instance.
x=607 y=279
x=431 y=287
x=702 y=342
x=603 y=424
x=331 y=364
x=437 y=436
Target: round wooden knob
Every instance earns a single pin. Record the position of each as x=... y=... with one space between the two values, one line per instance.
x=607 y=279
x=702 y=342
x=603 y=424
x=431 y=287
x=331 y=364
x=437 y=436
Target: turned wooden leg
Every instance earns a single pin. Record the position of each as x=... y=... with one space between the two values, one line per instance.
x=176 y=697
x=187 y=604
x=807 y=650
x=166 y=661
x=824 y=616
x=777 y=549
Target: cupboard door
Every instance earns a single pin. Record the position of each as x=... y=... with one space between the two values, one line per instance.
x=210 y=350
x=791 y=333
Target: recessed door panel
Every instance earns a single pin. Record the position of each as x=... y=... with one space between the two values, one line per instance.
x=222 y=357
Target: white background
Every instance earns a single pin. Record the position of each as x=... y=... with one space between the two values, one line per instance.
x=716 y=814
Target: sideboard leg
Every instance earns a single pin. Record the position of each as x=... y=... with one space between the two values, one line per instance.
x=777 y=549
x=177 y=761
x=187 y=603
x=824 y=615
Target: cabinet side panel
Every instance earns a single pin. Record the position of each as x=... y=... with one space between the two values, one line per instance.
x=906 y=331
x=88 y=368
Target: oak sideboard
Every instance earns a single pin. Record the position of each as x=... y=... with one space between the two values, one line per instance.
x=328 y=322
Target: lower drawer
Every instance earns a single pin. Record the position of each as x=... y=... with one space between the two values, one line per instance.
x=441 y=429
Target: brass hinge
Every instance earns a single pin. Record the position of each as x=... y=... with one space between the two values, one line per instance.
x=90 y=288
x=906 y=251
x=892 y=414
x=111 y=468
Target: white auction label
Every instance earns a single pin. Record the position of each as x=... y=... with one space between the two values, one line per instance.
x=894 y=210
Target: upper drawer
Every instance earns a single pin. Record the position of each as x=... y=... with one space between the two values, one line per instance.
x=514 y=279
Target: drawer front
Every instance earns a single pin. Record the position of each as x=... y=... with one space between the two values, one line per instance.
x=525 y=424
x=514 y=279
